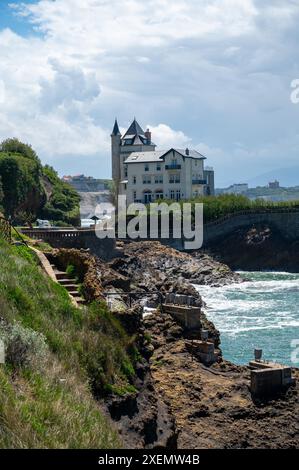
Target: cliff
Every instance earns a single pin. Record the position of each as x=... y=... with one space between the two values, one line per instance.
x=258 y=248
x=29 y=190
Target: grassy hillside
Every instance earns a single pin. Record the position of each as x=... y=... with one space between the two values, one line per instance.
x=58 y=359
x=29 y=190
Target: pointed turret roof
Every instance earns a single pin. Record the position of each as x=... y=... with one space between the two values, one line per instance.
x=134 y=129
x=116 y=129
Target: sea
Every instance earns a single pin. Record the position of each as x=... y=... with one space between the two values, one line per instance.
x=262 y=312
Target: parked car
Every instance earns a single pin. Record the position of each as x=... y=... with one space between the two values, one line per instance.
x=43 y=223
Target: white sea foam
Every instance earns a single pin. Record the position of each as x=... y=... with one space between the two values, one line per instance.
x=262 y=309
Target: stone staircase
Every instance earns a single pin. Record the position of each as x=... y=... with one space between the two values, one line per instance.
x=70 y=284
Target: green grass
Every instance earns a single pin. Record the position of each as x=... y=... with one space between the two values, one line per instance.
x=54 y=404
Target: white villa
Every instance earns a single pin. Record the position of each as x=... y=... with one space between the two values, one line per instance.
x=145 y=174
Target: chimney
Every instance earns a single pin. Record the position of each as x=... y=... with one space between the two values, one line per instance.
x=187 y=151
x=148 y=136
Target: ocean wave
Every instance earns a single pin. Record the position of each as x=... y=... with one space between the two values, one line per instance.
x=262 y=309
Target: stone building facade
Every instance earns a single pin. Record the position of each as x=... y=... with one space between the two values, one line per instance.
x=145 y=174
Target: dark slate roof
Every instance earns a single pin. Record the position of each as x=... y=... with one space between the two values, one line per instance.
x=134 y=129
x=191 y=154
x=116 y=128
x=158 y=156
x=144 y=157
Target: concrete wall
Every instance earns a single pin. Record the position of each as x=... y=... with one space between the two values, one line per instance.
x=78 y=239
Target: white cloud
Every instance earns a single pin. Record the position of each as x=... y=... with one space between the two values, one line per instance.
x=214 y=71
x=69 y=84
x=165 y=137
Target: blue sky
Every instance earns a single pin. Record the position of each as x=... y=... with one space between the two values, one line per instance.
x=213 y=75
x=10 y=20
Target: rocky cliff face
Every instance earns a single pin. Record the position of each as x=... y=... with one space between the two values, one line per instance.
x=256 y=249
x=179 y=402
x=212 y=406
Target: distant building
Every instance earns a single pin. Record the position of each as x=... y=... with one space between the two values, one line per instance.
x=240 y=188
x=145 y=174
x=274 y=185
x=84 y=183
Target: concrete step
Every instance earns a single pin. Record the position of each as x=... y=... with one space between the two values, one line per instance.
x=65 y=282
x=70 y=287
x=60 y=274
x=69 y=284
x=80 y=301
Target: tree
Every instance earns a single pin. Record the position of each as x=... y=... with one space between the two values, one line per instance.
x=15 y=146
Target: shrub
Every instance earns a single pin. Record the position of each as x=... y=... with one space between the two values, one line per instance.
x=24 y=347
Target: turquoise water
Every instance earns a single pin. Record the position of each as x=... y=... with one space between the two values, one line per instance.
x=262 y=312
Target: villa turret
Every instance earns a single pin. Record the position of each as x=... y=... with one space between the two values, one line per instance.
x=134 y=140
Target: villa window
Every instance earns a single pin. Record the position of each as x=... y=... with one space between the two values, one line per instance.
x=174 y=179
x=178 y=195
x=158 y=166
x=146 y=167
x=134 y=179
x=159 y=179
x=172 y=194
x=134 y=196
x=147 y=179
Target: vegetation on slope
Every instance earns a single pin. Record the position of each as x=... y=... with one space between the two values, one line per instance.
x=216 y=207
x=28 y=190
x=62 y=206
x=58 y=359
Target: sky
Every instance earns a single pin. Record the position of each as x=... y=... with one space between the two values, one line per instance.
x=211 y=75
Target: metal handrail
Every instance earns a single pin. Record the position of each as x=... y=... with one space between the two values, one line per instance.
x=131 y=294
x=269 y=210
x=11 y=227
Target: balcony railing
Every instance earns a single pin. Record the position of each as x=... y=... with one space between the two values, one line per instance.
x=173 y=167
x=199 y=181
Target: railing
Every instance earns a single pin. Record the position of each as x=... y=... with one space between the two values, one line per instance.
x=173 y=167
x=57 y=234
x=199 y=181
x=132 y=294
x=274 y=210
x=5 y=229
